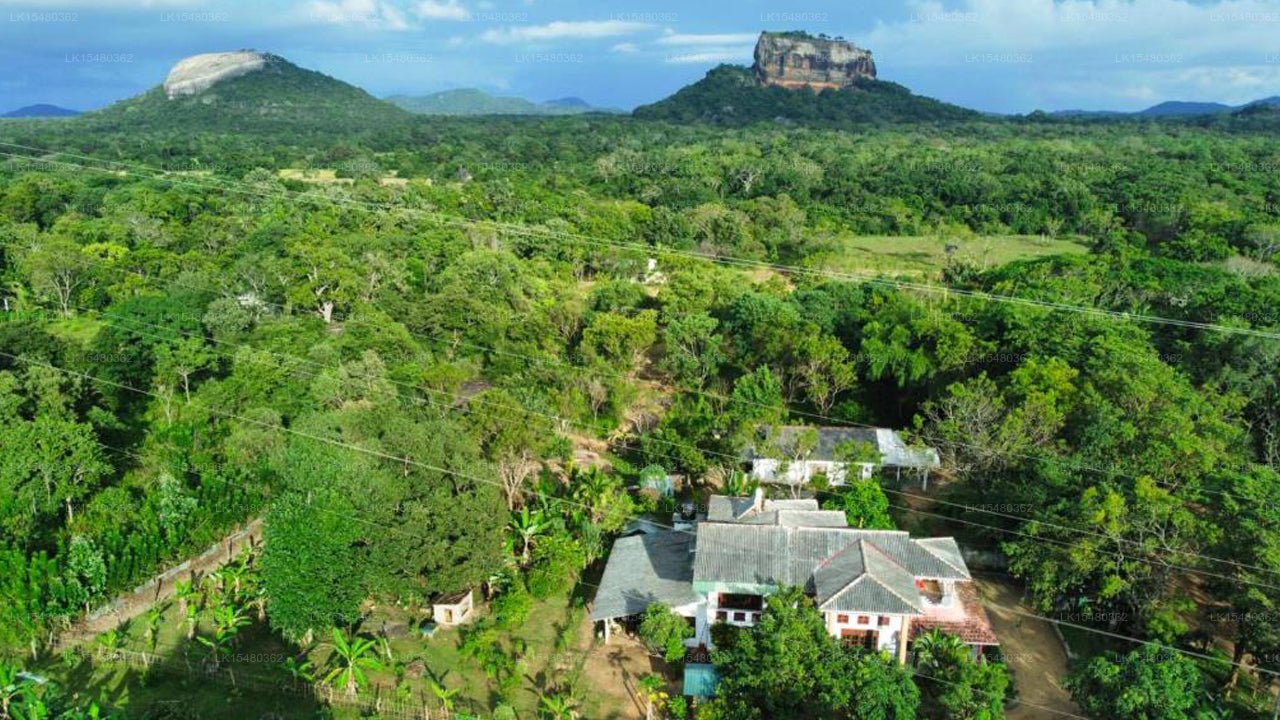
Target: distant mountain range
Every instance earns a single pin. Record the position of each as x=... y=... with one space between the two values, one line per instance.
x=1172 y=109
x=250 y=92
x=470 y=101
x=40 y=110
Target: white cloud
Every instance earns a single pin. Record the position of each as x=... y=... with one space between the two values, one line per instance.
x=708 y=56
x=454 y=42
x=432 y=10
x=376 y=14
x=560 y=29
x=1080 y=27
x=625 y=47
x=674 y=38
x=1089 y=51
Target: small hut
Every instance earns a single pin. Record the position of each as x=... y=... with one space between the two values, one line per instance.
x=454 y=609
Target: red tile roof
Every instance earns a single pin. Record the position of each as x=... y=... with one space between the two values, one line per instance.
x=974 y=629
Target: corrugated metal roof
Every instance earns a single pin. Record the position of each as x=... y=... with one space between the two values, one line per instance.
x=782 y=556
x=803 y=512
x=645 y=569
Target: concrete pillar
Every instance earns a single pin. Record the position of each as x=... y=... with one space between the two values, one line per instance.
x=902 y=640
x=606 y=631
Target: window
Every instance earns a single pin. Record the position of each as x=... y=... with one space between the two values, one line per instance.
x=722 y=615
x=864 y=620
x=740 y=617
x=884 y=620
x=842 y=619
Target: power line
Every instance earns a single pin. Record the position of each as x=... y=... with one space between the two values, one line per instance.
x=408 y=460
x=387 y=207
x=674 y=444
x=983 y=295
x=518 y=229
x=1049 y=459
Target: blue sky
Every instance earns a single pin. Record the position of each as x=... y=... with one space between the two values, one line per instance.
x=997 y=55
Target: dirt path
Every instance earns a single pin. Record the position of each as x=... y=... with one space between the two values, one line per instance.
x=614 y=671
x=1032 y=650
x=160 y=588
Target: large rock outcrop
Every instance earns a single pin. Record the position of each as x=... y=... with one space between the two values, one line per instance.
x=199 y=72
x=796 y=60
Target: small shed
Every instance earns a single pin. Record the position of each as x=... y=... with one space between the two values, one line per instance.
x=454 y=609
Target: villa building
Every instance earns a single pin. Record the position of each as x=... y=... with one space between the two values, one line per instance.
x=875 y=588
x=782 y=456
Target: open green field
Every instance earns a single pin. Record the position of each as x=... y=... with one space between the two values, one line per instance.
x=927 y=255
x=253 y=681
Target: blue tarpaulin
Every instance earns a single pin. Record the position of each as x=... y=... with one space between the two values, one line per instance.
x=700 y=679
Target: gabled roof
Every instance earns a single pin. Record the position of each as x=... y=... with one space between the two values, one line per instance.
x=861 y=578
x=862 y=570
x=645 y=569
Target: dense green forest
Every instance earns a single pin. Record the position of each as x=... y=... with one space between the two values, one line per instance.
x=400 y=376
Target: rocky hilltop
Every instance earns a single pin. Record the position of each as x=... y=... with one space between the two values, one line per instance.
x=797 y=59
x=199 y=72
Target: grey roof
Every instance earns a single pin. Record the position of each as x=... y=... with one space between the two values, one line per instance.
x=645 y=569
x=893 y=450
x=792 y=513
x=780 y=556
x=861 y=578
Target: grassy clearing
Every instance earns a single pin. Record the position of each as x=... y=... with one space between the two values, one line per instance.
x=925 y=256
x=78 y=330
x=551 y=647
x=320 y=177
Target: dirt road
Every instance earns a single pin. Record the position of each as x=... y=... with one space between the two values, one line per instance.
x=1032 y=650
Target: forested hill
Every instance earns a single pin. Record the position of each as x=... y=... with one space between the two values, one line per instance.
x=731 y=95
x=280 y=98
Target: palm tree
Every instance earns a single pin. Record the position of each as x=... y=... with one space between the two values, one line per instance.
x=937 y=651
x=591 y=488
x=528 y=525
x=350 y=658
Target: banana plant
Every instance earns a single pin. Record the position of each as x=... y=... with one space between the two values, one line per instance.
x=527 y=526
x=227 y=624
x=444 y=695
x=351 y=657
x=154 y=615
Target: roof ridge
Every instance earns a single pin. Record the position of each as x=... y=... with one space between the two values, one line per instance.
x=839 y=552
x=914 y=605
x=887 y=556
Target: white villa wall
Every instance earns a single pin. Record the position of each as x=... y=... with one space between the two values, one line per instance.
x=799 y=473
x=888 y=636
